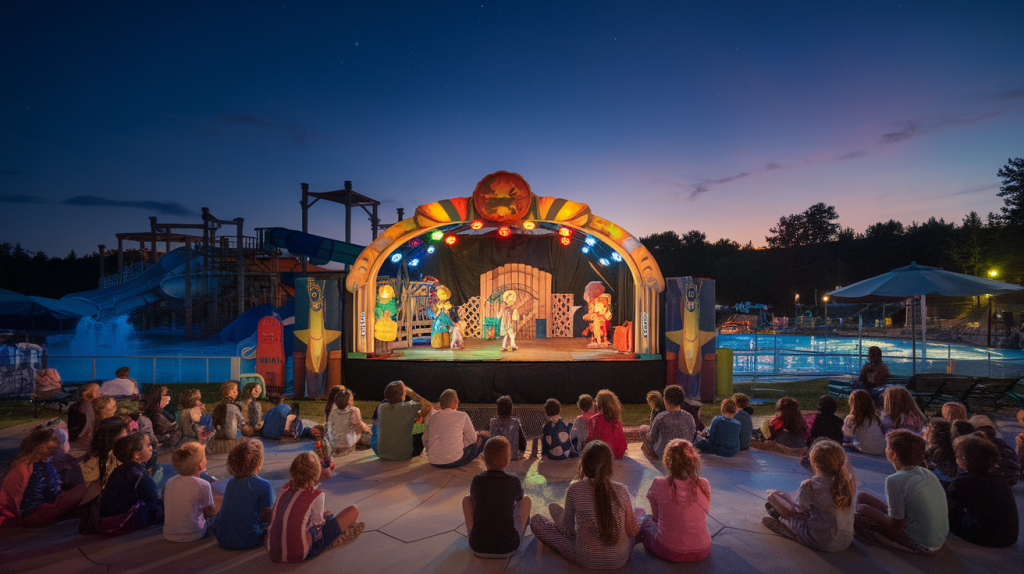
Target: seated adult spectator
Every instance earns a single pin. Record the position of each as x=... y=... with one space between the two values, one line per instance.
x=121 y=387
x=450 y=439
x=873 y=374
x=395 y=420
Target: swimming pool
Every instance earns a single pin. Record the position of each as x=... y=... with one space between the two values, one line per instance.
x=808 y=354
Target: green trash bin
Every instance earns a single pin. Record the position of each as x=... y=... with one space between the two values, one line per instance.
x=723 y=372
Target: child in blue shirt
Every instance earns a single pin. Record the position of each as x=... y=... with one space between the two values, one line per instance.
x=723 y=437
x=555 y=443
x=248 y=499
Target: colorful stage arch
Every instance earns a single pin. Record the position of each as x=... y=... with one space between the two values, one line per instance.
x=505 y=198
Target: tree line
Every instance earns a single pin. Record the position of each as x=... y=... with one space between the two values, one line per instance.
x=811 y=252
x=36 y=273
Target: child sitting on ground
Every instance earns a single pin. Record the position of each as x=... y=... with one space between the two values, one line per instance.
x=249 y=405
x=825 y=423
x=100 y=461
x=578 y=430
x=607 y=426
x=395 y=421
x=449 y=438
x=954 y=412
x=1009 y=465
x=555 y=443
x=196 y=424
x=862 y=429
x=670 y=424
x=743 y=412
x=914 y=517
x=32 y=493
x=676 y=529
x=900 y=410
x=248 y=499
x=507 y=425
x=276 y=418
x=227 y=417
x=657 y=404
x=496 y=511
x=821 y=513
x=982 y=509
x=786 y=432
x=723 y=437
x=103 y=408
x=189 y=511
x=300 y=526
x=81 y=415
x=939 y=456
x=345 y=426
x=130 y=499
x=329 y=405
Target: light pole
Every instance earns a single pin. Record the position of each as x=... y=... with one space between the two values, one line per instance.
x=825 y=298
x=796 y=311
x=988 y=343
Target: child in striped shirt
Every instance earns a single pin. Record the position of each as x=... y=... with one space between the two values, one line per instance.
x=300 y=526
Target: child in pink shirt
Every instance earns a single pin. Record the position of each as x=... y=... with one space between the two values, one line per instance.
x=677 y=529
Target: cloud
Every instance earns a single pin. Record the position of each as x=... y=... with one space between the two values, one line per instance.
x=1009 y=95
x=913 y=128
x=9 y=172
x=163 y=207
x=851 y=155
x=251 y=124
x=709 y=184
x=19 y=198
x=976 y=189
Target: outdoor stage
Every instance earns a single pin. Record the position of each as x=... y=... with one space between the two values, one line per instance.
x=541 y=369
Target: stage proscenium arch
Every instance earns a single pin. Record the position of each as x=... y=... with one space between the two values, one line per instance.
x=505 y=199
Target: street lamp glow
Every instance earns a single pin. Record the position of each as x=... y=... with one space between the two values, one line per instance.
x=993 y=273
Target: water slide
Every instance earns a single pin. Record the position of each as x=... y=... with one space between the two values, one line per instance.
x=143 y=288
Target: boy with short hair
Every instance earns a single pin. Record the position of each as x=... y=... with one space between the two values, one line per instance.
x=914 y=516
x=189 y=511
x=496 y=510
x=724 y=435
x=981 y=505
x=672 y=423
x=248 y=499
x=743 y=412
x=578 y=431
x=450 y=439
x=555 y=443
x=395 y=419
x=1009 y=465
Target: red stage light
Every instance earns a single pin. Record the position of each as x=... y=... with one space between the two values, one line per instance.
x=564 y=231
x=477 y=224
x=566 y=241
x=450 y=240
x=529 y=225
x=504 y=231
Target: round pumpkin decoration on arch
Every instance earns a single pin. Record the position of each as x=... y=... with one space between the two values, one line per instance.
x=503 y=197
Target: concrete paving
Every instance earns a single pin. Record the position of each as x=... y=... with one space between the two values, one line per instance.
x=414 y=523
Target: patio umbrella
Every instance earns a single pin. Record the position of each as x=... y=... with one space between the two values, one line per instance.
x=919 y=280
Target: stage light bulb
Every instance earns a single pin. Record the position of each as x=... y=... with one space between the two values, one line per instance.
x=477 y=224
x=504 y=231
x=616 y=257
x=437 y=235
x=450 y=240
x=590 y=241
x=430 y=249
x=603 y=261
x=396 y=257
x=564 y=231
x=566 y=241
x=414 y=262
x=586 y=250
x=529 y=225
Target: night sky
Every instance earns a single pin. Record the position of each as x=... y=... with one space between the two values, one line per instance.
x=675 y=115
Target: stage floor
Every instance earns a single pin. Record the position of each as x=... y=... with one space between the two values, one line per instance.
x=562 y=349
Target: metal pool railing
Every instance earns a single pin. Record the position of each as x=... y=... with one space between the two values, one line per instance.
x=789 y=362
x=147 y=369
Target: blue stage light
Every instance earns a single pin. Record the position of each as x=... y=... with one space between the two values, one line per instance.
x=590 y=241
x=586 y=250
x=603 y=261
x=430 y=249
x=414 y=262
x=396 y=257
x=616 y=256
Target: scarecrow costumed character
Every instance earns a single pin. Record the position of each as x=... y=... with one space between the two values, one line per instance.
x=440 y=335
x=509 y=321
x=599 y=314
x=385 y=329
